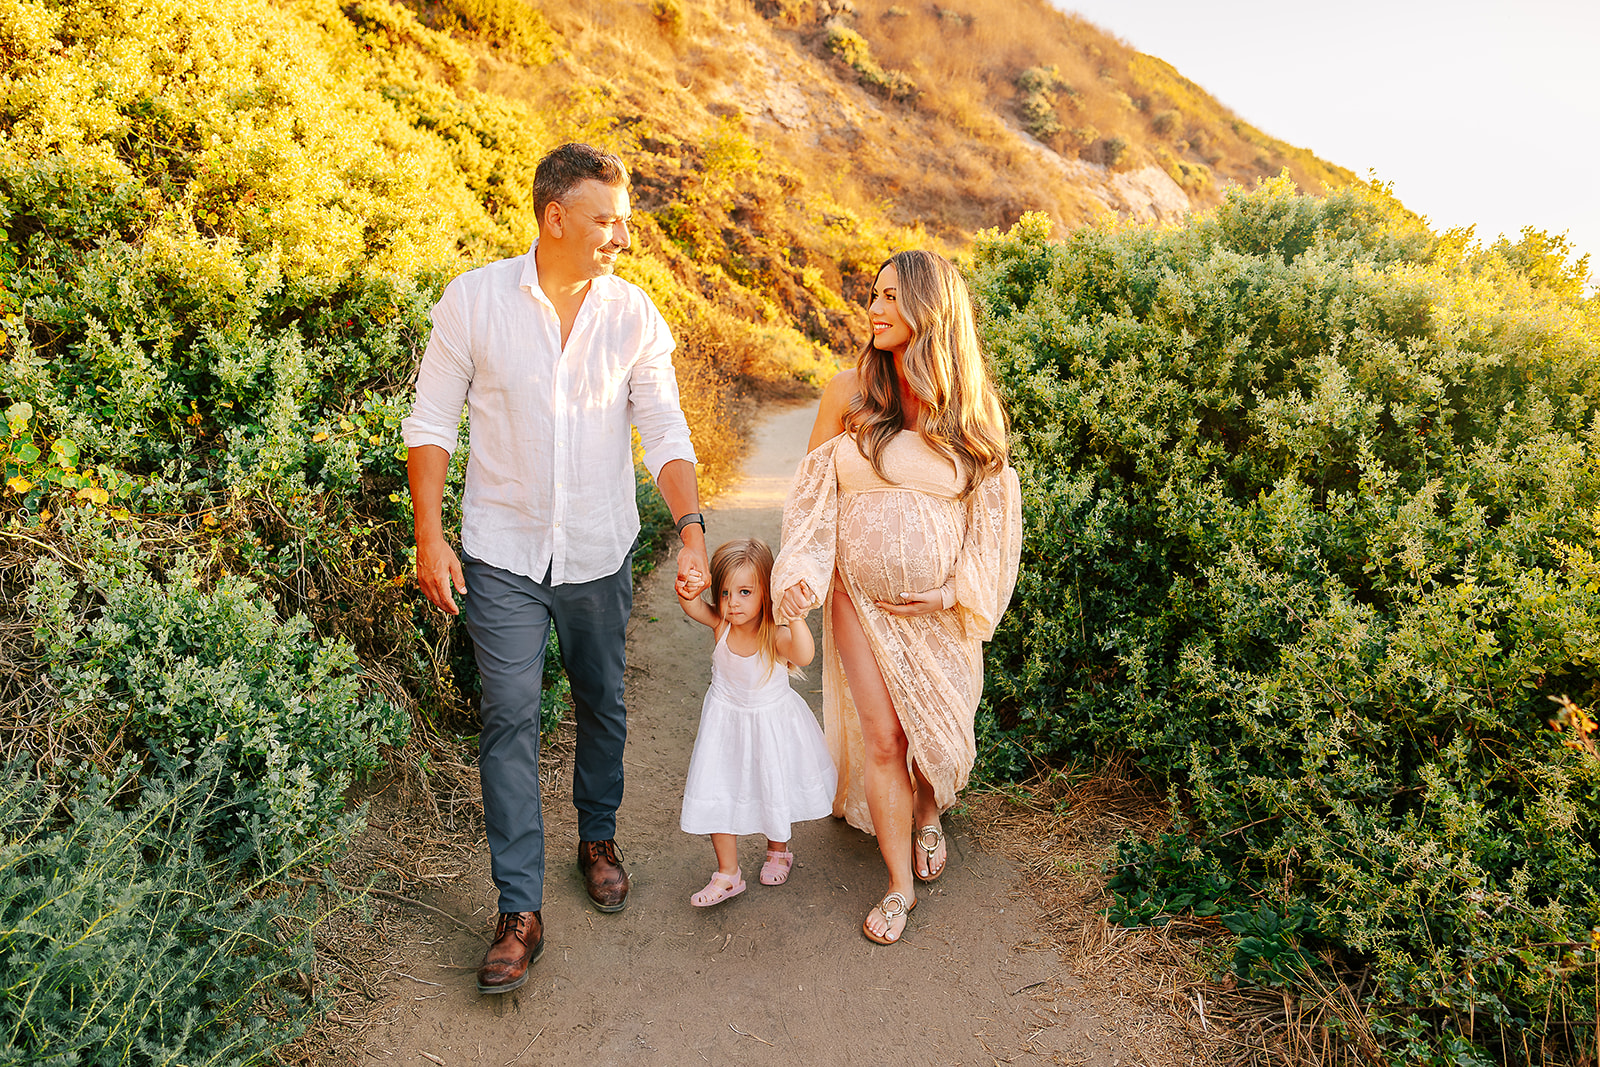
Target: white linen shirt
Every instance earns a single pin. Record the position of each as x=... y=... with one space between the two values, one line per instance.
x=549 y=482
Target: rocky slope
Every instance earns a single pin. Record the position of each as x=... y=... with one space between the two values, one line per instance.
x=926 y=114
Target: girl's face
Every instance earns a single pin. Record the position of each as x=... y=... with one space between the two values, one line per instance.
x=740 y=598
x=890 y=332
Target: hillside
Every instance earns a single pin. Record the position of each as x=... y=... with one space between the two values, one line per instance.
x=780 y=148
x=953 y=117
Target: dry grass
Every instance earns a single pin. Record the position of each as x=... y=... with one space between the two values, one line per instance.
x=30 y=722
x=423 y=826
x=1116 y=90
x=1165 y=992
x=1060 y=830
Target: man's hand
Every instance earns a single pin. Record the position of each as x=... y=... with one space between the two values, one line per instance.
x=438 y=571
x=438 y=568
x=692 y=564
x=690 y=585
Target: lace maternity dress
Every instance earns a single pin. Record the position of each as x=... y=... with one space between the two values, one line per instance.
x=912 y=532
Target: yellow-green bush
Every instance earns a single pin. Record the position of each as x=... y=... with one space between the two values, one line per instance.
x=853 y=50
x=223 y=228
x=514 y=26
x=1311 y=500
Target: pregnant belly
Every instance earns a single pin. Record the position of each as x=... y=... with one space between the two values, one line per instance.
x=896 y=542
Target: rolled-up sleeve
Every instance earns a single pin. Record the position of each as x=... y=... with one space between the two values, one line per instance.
x=443 y=378
x=653 y=402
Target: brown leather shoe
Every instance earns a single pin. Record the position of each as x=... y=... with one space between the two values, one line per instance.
x=603 y=875
x=518 y=942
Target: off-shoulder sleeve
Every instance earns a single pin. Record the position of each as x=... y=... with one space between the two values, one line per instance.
x=810 y=525
x=986 y=572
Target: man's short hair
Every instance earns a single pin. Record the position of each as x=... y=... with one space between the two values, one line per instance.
x=569 y=166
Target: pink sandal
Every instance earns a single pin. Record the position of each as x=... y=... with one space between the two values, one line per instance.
x=720 y=888
x=776 y=870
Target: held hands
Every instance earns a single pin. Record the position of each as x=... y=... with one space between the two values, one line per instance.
x=797 y=600
x=692 y=563
x=690 y=584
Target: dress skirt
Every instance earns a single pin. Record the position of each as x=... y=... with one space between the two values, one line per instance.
x=760 y=761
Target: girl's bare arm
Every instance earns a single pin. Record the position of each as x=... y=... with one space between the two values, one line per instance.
x=794 y=643
x=689 y=600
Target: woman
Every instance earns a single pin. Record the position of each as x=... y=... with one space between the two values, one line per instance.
x=907 y=516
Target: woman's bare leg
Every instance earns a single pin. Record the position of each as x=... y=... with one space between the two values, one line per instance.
x=886 y=780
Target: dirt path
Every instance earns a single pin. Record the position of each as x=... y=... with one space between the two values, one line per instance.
x=775 y=976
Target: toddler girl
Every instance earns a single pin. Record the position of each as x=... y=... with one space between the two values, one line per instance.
x=760 y=761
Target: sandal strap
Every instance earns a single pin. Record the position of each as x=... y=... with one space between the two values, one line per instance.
x=893 y=906
x=922 y=838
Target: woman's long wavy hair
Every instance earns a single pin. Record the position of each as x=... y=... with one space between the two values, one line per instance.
x=944 y=368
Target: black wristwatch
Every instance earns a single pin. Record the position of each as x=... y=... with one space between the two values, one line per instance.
x=693 y=516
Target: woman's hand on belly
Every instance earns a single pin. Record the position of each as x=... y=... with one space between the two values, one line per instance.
x=923 y=603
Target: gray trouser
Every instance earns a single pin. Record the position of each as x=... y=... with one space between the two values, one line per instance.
x=509 y=617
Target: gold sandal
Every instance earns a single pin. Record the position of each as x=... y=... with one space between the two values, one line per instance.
x=892 y=907
x=928 y=850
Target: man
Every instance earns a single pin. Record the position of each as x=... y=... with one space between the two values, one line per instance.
x=554 y=358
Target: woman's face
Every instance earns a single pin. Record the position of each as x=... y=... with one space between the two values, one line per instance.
x=890 y=332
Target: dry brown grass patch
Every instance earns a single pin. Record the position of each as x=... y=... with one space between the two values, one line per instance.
x=1166 y=992
x=424 y=824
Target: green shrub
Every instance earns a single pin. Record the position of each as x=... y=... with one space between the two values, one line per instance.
x=894 y=84
x=852 y=49
x=124 y=938
x=1311 y=507
x=1036 y=101
x=1186 y=173
x=186 y=665
x=848 y=46
x=792 y=12
x=669 y=15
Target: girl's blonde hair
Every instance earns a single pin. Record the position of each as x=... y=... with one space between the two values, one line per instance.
x=945 y=369
x=751 y=551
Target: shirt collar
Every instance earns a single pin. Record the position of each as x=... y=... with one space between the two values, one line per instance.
x=606 y=287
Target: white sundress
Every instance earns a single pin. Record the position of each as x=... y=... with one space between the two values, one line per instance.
x=760 y=761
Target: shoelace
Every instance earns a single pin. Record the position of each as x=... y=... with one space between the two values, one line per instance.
x=508 y=919
x=596 y=849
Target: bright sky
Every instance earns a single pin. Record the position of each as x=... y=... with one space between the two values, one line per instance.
x=1480 y=112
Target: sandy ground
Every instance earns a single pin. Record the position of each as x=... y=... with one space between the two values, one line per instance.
x=776 y=975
